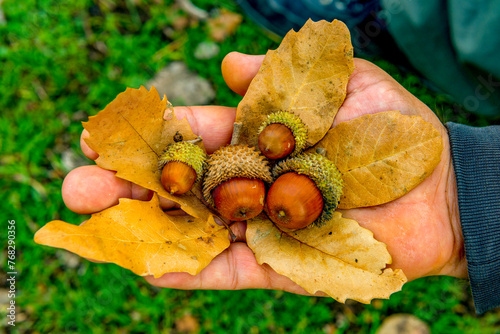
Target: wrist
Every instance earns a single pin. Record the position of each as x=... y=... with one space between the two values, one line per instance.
x=457 y=266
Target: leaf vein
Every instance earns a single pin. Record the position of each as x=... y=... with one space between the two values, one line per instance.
x=140 y=136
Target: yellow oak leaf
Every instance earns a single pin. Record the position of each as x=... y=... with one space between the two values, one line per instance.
x=131 y=133
x=341 y=258
x=382 y=156
x=307 y=76
x=139 y=236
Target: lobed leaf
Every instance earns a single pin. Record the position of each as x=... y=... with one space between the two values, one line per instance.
x=139 y=236
x=130 y=134
x=341 y=259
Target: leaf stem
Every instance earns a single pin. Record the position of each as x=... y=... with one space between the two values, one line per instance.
x=194 y=141
x=235 y=138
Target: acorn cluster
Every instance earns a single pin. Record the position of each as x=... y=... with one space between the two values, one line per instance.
x=294 y=188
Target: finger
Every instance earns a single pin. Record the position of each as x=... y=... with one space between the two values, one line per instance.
x=89 y=153
x=167 y=204
x=213 y=123
x=233 y=269
x=239 y=69
x=90 y=189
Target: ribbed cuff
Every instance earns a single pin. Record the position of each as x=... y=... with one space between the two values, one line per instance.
x=476 y=159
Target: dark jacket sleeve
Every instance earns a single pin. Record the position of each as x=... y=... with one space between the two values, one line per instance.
x=476 y=159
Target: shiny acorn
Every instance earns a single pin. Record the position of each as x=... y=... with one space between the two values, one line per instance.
x=177 y=177
x=182 y=165
x=234 y=183
x=282 y=134
x=307 y=189
x=294 y=201
x=240 y=198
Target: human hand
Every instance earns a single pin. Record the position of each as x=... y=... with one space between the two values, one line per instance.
x=421 y=229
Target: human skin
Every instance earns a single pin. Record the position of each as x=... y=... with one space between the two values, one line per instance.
x=421 y=229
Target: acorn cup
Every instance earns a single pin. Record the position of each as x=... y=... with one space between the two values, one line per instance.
x=307 y=189
x=235 y=182
x=282 y=134
x=182 y=166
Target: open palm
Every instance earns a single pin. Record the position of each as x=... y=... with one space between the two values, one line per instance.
x=421 y=229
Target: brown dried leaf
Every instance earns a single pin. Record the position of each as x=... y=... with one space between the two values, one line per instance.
x=139 y=236
x=382 y=156
x=130 y=134
x=307 y=75
x=341 y=258
x=187 y=324
x=224 y=25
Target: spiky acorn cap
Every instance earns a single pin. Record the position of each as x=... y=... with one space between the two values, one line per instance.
x=291 y=121
x=322 y=172
x=186 y=152
x=234 y=161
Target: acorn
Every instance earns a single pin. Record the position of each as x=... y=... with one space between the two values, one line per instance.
x=307 y=189
x=235 y=180
x=182 y=165
x=282 y=134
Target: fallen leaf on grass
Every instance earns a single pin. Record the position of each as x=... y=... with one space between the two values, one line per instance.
x=341 y=258
x=139 y=236
x=130 y=134
x=223 y=25
x=382 y=156
x=187 y=324
x=307 y=75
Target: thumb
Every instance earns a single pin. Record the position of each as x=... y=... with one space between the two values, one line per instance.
x=213 y=123
x=239 y=69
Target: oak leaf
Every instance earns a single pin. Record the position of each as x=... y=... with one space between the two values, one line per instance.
x=340 y=258
x=307 y=75
x=130 y=134
x=139 y=236
x=382 y=156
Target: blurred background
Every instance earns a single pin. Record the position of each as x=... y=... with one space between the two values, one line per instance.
x=63 y=61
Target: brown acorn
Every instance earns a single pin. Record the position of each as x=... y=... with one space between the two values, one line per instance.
x=294 y=201
x=276 y=141
x=246 y=191
x=178 y=177
x=235 y=182
x=282 y=134
x=307 y=189
x=183 y=164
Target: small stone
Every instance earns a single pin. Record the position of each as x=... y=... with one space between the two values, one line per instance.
x=403 y=324
x=79 y=116
x=206 y=50
x=4 y=297
x=70 y=260
x=70 y=160
x=182 y=86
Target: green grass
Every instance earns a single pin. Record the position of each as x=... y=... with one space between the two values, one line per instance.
x=61 y=62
